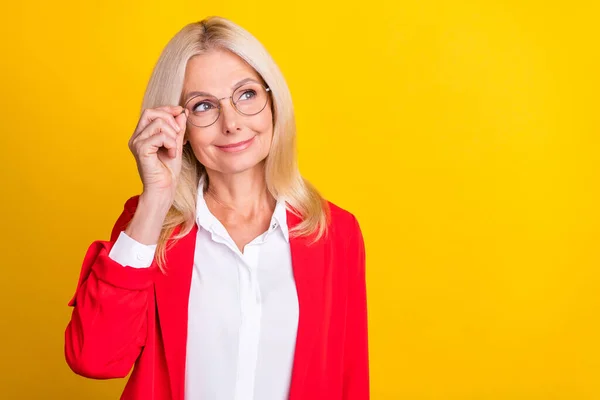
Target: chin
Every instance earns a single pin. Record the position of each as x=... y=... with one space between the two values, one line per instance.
x=242 y=164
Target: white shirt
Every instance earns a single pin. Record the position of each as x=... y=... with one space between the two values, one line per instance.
x=242 y=313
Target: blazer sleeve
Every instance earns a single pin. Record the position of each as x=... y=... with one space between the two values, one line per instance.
x=108 y=325
x=356 y=352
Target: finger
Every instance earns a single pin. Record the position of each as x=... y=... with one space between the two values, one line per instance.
x=150 y=114
x=174 y=110
x=153 y=114
x=181 y=121
x=152 y=145
x=157 y=126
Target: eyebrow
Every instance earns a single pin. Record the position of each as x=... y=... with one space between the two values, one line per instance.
x=237 y=85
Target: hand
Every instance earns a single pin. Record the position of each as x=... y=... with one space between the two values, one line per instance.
x=157 y=145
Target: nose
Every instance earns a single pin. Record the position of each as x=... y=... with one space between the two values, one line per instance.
x=231 y=118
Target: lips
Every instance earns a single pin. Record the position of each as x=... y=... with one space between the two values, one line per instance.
x=237 y=146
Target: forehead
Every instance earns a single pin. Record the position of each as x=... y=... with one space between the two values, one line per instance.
x=216 y=71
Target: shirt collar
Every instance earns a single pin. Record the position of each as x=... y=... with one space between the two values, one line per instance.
x=206 y=220
x=279 y=219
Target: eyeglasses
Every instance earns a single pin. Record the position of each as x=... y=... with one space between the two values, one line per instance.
x=205 y=109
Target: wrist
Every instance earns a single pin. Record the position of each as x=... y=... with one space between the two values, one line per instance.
x=155 y=203
x=147 y=222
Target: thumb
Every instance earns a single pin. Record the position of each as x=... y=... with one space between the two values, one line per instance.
x=181 y=121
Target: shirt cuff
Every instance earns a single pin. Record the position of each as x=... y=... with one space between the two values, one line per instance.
x=129 y=252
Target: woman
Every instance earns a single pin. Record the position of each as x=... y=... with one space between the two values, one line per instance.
x=228 y=277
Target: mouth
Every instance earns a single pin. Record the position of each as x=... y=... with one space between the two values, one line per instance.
x=239 y=146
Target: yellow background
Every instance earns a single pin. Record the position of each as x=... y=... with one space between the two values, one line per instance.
x=463 y=134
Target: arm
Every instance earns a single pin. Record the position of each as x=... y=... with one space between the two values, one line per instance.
x=108 y=324
x=356 y=346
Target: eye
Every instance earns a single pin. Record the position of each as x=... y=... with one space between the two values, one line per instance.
x=247 y=94
x=203 y=106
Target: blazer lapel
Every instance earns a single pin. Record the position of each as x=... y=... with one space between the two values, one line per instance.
x=172 y=297
x=308 y=263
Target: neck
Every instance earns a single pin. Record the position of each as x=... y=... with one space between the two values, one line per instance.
x=243 y=194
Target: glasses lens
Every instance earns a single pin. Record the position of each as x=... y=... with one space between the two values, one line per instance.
x=250 y=98
x=203 y=110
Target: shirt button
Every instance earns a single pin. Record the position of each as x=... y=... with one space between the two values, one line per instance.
x=140 y=257
x=274 y=225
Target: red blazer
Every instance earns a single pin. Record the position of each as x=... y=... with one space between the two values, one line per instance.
x=123 y=316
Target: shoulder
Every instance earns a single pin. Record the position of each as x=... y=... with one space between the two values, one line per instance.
x=339 y=216
x=345 y=238
x=343 y=226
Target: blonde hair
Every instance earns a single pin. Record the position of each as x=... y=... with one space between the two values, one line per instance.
x=282 y=175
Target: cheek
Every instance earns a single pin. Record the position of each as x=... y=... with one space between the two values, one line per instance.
x=201 y=142
x=264 y=125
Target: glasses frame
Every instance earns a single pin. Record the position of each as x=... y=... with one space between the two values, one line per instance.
x=220 y=107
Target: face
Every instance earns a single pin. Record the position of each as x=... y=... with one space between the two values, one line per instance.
x=235 y=142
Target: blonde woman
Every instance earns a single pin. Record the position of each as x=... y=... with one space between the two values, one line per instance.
x=229 y=277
